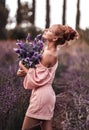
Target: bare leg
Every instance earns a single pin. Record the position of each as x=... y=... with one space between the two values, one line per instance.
x=29 y=123
x=47 y=125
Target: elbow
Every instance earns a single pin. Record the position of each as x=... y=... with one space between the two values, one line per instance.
x=27 y=85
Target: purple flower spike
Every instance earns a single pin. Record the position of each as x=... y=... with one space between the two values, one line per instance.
x=16 y=50
x=38 y=36
x=20 y=44
x=28 y=37
x=27 y=58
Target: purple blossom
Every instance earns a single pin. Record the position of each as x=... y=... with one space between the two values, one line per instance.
x=30 y=52
x=16 y=50
x=19 y=43
x=28 y=38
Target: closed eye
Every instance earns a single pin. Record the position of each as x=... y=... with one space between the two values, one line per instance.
x=50 y=30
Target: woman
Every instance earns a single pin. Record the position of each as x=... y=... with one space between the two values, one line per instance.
x=39 y=79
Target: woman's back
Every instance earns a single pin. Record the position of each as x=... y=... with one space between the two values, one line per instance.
x=49 y=58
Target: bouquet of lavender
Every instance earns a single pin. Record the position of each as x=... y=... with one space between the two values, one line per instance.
x=30 y=53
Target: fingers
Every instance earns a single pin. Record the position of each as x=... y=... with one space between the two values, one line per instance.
x=20 y=62
x=21 y=72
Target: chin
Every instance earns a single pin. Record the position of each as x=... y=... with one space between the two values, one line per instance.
x=44 y=36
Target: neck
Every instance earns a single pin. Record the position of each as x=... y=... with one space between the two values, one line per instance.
x=51 y=46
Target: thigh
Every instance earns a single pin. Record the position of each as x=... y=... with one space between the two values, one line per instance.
x=30 y=123
x=47 y=125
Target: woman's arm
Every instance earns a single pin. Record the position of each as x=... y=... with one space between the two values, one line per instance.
x=23 y=67
x=22 y=71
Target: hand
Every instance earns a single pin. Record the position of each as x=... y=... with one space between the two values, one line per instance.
x=21 y=72
x=20 y=64
x=23 y=67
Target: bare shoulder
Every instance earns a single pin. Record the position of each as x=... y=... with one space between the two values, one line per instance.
x=46 y=54
x=48 y=59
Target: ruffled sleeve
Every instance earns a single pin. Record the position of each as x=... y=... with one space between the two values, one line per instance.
x=37 y=77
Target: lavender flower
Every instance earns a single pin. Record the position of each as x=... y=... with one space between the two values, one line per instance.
x=30 y=52
x=28 y=38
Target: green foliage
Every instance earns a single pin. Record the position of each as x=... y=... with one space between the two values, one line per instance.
x=17 y=33
x=21 y=33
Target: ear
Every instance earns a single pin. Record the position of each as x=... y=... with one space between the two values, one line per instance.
x=55 y=39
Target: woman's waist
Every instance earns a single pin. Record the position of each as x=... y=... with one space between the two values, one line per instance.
x=47 y=89
x=46 y=92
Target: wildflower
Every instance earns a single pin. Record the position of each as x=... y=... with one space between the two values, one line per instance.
x=30 y=52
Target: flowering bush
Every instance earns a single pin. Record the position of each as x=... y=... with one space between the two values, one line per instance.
x=30 y=52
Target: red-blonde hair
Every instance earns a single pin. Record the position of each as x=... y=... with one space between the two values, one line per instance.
x=64 y=33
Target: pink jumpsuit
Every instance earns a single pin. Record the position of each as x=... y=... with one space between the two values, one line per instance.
x=42 y=100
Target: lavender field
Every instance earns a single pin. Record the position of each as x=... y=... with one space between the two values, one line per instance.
x=71 y=85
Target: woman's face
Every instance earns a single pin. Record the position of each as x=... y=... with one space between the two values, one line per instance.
x=49 y=33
